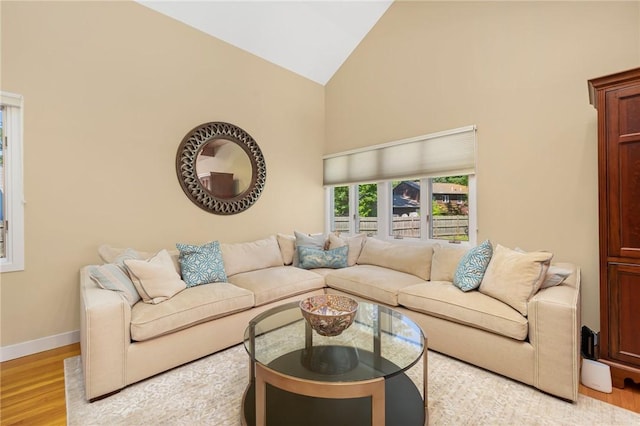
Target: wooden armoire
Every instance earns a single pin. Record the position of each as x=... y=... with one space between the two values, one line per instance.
x=617 y=99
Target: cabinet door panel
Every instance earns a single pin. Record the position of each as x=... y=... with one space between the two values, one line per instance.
x=624 y=313
x=629 y=109
x=623 y=152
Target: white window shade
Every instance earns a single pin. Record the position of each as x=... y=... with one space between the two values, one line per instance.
x=448 y=153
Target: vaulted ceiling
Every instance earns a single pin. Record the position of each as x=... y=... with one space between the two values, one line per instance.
x=311 y=38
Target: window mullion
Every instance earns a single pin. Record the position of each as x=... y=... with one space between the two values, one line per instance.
x=329 y=219
x=385 y=209
x=353 y=210
x=426 y=206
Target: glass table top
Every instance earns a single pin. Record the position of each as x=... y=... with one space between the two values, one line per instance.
x=381 y=342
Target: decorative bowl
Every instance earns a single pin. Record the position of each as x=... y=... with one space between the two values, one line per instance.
x=329 y=314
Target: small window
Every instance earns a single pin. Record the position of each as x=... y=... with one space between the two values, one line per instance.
x=11 y=185
x=340 y=208
x=405 y=222
x=367 y=217
x=450 y=208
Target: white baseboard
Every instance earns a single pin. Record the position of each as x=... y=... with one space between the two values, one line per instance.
x=34 y=346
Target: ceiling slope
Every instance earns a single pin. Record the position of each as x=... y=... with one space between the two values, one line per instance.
x=310 y=38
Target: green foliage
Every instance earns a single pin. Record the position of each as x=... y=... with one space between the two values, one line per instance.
x=341 y=201
x=368 y=200
x=440 y=209
x=460 y=180
x=447 y=209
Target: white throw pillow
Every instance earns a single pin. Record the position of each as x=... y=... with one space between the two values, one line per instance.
x=513 y=277
x=155 y=279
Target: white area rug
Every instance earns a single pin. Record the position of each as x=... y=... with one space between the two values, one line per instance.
x=209 y=392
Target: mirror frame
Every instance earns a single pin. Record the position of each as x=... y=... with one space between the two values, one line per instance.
x=187 y=155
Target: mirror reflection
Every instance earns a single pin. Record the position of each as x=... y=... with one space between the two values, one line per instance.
x=224 y=168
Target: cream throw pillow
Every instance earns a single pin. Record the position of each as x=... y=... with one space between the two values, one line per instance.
x=514 y=277
x=287 y=244
x=155 y=279
x=412 y=259
x=445 y=261
x=354 y=243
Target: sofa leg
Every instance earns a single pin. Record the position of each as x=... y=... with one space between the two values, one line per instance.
x=106 y=395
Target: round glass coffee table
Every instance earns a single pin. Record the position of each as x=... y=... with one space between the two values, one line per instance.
x=355 y=378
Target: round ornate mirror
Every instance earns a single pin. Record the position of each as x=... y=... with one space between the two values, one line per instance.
x=221 y=168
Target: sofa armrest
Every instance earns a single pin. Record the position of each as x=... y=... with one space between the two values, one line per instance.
x=554 y=332
x=105 y=318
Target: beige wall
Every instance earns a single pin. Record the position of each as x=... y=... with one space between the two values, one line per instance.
x=110 y=90
x=519 y=72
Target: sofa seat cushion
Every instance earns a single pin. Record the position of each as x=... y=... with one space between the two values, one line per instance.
x=322 y=271
x=371 y=282
x=444 y=300
x=191 y=306
x=278 y=282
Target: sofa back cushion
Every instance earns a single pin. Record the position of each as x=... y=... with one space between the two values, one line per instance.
x=445 y=261
x=412 y=259
x=250 y=256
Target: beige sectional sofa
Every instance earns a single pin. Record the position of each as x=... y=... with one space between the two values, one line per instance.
x=124 y=341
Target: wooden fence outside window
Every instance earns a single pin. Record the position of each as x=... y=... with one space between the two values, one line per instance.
x=443 y=227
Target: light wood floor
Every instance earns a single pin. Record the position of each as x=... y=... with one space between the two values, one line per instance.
x=32 y=389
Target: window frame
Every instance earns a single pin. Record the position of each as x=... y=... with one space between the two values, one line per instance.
x=385 y=211
x=13 y=130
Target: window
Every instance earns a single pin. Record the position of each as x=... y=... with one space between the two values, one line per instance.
x=367 y=213
x=448 y=218
x=434 y=201
x=340 y=209
x=11 y=186
x=354 y=209
x=405 y=209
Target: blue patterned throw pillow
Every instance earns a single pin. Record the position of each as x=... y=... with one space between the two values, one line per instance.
x=201 y=264
x=309 y=257
x=471 y=267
